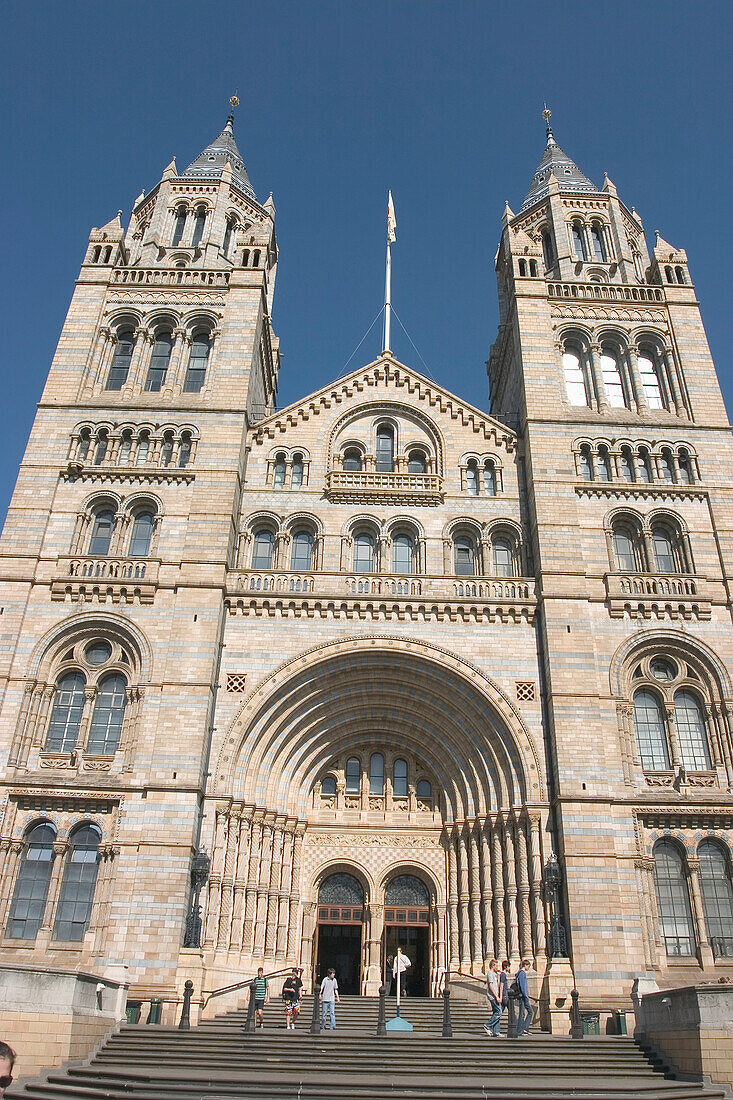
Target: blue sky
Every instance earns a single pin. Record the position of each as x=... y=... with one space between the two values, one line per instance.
x=440 y=101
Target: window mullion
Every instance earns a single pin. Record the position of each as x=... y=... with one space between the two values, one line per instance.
x=60 y=848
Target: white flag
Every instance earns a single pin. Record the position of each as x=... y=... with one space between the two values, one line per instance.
x=391 y=220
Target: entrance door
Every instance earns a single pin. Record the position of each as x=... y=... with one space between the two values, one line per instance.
x=415 y=943
x=339 y=946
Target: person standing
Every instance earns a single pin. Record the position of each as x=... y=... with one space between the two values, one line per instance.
x=493 y=991
x=504 y=976
x=291 y=998
x=262 y=996
x=388 y=974
x=399 y=970
x=525 y=1009
x=329 y=996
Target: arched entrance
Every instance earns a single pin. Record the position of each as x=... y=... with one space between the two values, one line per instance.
x=340 y=916
x=407 y=925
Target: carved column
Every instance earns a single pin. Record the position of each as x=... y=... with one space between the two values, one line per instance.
x=227 y=882
x=511 y=894
x=295 y=894
x=647 y=924
x=273 y=892
x=497 y=867
x=373 y=976
x=711 y=729
x=60 y=848
x=13 y=850
x=535 y=887
x=138 y=362
x=671 y=372
x=110 y=854
x=306 y=943
x=597 y=376
x=250 y=894
x=637 y=385
x=476 y=956
x=464 y=899
x=284 y=893
x=487 y=919
x=174 y=377
x=523 y=886
x=104 y=345
x=217 y=868
x=705 y=951
x=674 y=745
x=452 y=901
x=262 y=887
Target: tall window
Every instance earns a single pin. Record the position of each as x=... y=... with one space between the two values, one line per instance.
x=68 y=707
x=364 y=552
x=424 y=789
x=691 y=734
x=198 y=226
x=503 y=557
x=416 y=463
x=296 y=472
x=100 y=451
x=489 y=478
x=302 y=551
x=353 y=775
x=278 y=479
x=125 y=448
x=586 y=463
x=231 y=226
x=612 y=379
x=263 y=550
x=108 y=715
x=717 y=897
x=198 y=361
x=184 y=451
x=649 y=375
x=651 y=736
x=402 y=554
x=385 y=448
x=599 y=246
x=31 y=887
x=472 y=479
x=673 y=899
x=82 y=449
x=643 y=466
x=665 y=462
x=142 y=534
x=399 y=778
x=104 y=521
x=625 y=544
x=166 y=451
x=685 y=467
x=578 y=241
x=663 y=543
x=143 y=449
x=627 y=464
x=604 y=464
x=121 y=360
x=574 y=378
x=352 y=459
x=159 y=362
x=548 y=250
x=376 y=773
x=464 y=556
x=77 y=887
x=179 y=225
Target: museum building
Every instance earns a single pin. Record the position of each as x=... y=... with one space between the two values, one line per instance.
x=297 y=686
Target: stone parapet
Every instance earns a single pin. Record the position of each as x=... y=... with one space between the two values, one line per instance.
x=692 y=1028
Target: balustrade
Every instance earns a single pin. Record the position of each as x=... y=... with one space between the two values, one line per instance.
x=178 y=277
x=606 y=292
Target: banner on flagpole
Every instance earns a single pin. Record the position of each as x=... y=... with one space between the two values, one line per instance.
x=391 y=220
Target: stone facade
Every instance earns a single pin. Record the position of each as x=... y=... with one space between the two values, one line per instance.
x=379 y=633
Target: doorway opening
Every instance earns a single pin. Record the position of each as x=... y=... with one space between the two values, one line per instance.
x=339 y=931
x=407 y=925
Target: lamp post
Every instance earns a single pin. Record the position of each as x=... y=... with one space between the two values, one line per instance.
x=200 y=867
x=558 y=937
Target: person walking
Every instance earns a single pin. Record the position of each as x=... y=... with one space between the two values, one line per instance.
x=262 y=996
x=388 y=974
x=493 y=992
x=525 y=1009
x=329 y=996
x=400 y=967
x=291 y=998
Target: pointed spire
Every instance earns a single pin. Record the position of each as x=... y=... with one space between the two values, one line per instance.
x=211 y=162
x=558 y=164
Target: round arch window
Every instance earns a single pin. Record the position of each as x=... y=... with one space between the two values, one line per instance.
x=663 y=669
x=407 y=890
x=97 y=652
x=341 y=889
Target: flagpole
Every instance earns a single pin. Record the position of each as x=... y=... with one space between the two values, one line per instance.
x=387 y=297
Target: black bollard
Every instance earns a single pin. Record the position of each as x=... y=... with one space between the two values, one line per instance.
x=382 y=1018
x=511 y=1031
x=576 y=1020
x=185 y=1023
x=315 y=1028
x=447 y=1029
x=249 y=1024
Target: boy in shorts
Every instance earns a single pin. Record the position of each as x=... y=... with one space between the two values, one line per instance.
x=291 y=998
x=262 y=996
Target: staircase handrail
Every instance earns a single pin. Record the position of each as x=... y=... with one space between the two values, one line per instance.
x=448 y=974
x=242 y=985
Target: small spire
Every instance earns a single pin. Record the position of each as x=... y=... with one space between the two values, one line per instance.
x=547 y=115
x=233 y=103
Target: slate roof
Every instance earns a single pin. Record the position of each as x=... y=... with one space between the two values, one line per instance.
x=566 y=171
x=210 y=163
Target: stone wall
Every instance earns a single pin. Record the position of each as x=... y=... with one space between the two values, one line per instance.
x=692 y=1028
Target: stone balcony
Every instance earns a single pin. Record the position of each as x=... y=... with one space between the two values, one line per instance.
x=379 y=487
x=118 y=580
x=648 y=595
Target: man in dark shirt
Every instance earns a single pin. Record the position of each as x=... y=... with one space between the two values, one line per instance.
x=292 y=987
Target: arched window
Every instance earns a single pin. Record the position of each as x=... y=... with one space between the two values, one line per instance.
x=31 y=886
x=341 y=889
x=166 y=450
x=685 y=467
x=579 y=241
x=627 y=464
x=691 y=734
x=159 y=361
x=649 y=374
x=548 y=249
x=399 y=778
x=77 y=887
x=416 y=463
x=673 y=899
x=184 y=451
x=263 y=549
x=604 y=464
x=385 y=448
x=125 y=448
x=364 y=552
x=328 y=785
x=82 y=447
x=198 y=226
x=296 y=472
x=643 y=466
x=245 y=258
x=302 y=550
x=100 y=451
x=353 y=775
x=663 y=541
x=574 y=378
x=352 y=459
x=376 y=773
x=407 y=891
x=424 y=789
x=108 y=715
x=612 y=382
x=142 y=534
x=121 y=360
x=179 y=226
x=402 y=554
x=231 y=226
x=669 y=274
x=464 y=556
x=680 y=275
x=198 y=361
x=651 y=736
x=278 y=479
x=503 y=557
x=104 y=522
x=599 y=246
x=256 y=258
x=472 y=479
x=586 y=463
x=489 y=478
x=666 y=466
x=68 y=707
x=143 y=449
x=717 y=897
x=626 y=548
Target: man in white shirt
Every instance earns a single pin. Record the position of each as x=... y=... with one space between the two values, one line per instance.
x=493 y=992
x=329 y=996
x=399 y=967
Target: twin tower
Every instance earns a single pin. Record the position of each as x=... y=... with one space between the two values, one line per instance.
x=296 y=686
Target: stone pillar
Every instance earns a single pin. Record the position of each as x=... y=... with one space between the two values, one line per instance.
x=452 y=902
x=284 y=894
x=295 y=895
x=60 y=848
x=250 y=892
x=307 y=960
x=240 y=881
x=262 y=887
x=674 y=745
x=535 y=888
x=643 y=867
x=463 y=899
x=373 y=928
x=497 y=867
x=177 y=366
x=227 y=882
x=273 y=892
x=597 y=376
x=13 y=850
x=637 y=385
x=104 y=345
x=511 y=894
x=476 y=954
x=704 y=950
x=487 y=918
x=523 y=891
x=138 y=362
x=671 y=372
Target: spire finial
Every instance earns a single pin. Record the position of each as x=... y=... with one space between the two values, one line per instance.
x=233 y=103
x=547 y=115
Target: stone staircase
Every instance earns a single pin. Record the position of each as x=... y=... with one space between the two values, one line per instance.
x=217 y=1061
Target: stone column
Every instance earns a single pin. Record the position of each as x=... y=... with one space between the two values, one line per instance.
x=240 y=881
x=523 y=887
x=13 y=849
x=227 y=882
x=104 y=344
x=487 y=919
x=704 y=950
x=535 y=887
x=674 y=745
x=176 y=366
x=262 y=886
x=452 y=902
x=60 y=848
x=307 y=960
x=217 y=871
x=637 y=385
x=497 y=867
x=647 y=924
x=671 y=371
x=597 y=376
x=463 y=899
x=295 y=895
x=375 y=925
x=250 y=892
x=284 y=894
x=273 y=892
x=138 y=362
x=510 y=871
x=476 y=955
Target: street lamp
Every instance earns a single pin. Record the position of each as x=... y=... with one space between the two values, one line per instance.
x=553 y=879
x=200 y=867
